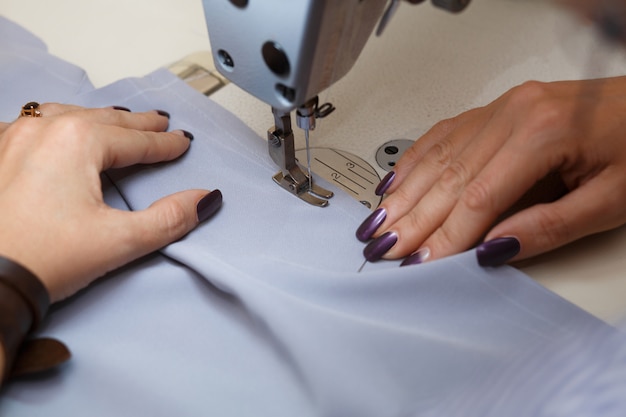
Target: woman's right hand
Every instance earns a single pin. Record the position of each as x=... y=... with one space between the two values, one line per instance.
x=454 y=185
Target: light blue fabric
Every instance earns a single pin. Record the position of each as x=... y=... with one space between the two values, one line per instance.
x=29 y=73
x=260 y=310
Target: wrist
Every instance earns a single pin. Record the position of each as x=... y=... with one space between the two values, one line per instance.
x=24 y=302
x=16 y=319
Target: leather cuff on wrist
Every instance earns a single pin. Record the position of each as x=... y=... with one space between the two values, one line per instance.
x=24 y=302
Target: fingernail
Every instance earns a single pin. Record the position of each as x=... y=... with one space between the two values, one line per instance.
x=121 y=108
x=371 y=224
x=416 y=258
x=385 y=183
x=497 y=251
x=163 y=113
x=379 y=246
x=188 y=135
x=208 y=205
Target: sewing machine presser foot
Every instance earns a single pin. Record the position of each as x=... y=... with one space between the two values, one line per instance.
x=291 y=177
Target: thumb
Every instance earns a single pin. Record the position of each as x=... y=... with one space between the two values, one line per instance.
x=171 y=218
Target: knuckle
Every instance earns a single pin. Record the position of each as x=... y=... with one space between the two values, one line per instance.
x=51 y=108
x=454 y=178
x=545 y=112
x=442 y=154
x=477 y=197
x=410 y=155
x=69 y=128
x=553 y=228
x=528 y=93
x=173 y=220
x=444 y=127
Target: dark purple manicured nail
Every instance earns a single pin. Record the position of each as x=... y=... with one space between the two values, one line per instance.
x=188 y=135
x=379 y=246
x=371 y=224
x=385 y=183
x=416 y=258
x=208 y=205
x=497 y=251
x=121 y=108
x=163 y=113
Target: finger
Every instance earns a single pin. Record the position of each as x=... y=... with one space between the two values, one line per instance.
x=124 y=147
x=406 y=193
x=164 y=222
x=421 y=205
x=485 y=198
x=592 y=208
x=170 y=218
x=154 y=120
x=125 y=236
x=56 y=109
x=440 y=141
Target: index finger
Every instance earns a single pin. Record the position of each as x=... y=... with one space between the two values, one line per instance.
x=125 y=147
x=154 y=120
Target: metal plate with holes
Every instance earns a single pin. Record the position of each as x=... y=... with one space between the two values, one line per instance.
x=347 y=171
x=388 y=154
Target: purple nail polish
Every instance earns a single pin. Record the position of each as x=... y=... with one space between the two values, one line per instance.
x=188 y=135
x=383 y=186
x=208 y=205
x=121 y=108
x=416 y=258
x=497 y=251
x=163 y=113
x=380 y=246
x=371 y=224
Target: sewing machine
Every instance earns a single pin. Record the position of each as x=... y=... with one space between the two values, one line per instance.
x=427 y=66
x=286 y=53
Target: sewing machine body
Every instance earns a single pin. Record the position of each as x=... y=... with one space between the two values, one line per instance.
x=286 y=52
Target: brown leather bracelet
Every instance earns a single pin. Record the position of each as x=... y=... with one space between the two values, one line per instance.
x=24 y=302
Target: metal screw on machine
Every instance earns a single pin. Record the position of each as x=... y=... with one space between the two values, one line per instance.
x=390 y=152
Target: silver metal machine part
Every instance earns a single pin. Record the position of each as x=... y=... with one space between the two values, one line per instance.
x=280 y=142
x=286 y=52
x=305 y=119
x=389 y=153
x=346 y=171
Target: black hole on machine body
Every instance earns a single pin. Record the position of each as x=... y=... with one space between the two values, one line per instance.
x=242 y=4
x=391 y=164
x=391 y=150
x=225 y=59
x=275 y=58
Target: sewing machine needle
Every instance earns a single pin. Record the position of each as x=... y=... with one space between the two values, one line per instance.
x=362 y=265
x=308 y=158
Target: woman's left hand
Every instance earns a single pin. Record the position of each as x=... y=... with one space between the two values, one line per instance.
x=53 y=219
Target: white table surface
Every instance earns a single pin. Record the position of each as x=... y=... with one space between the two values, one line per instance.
x=439 y=66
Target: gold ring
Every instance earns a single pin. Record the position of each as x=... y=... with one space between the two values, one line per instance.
x=30 y=109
